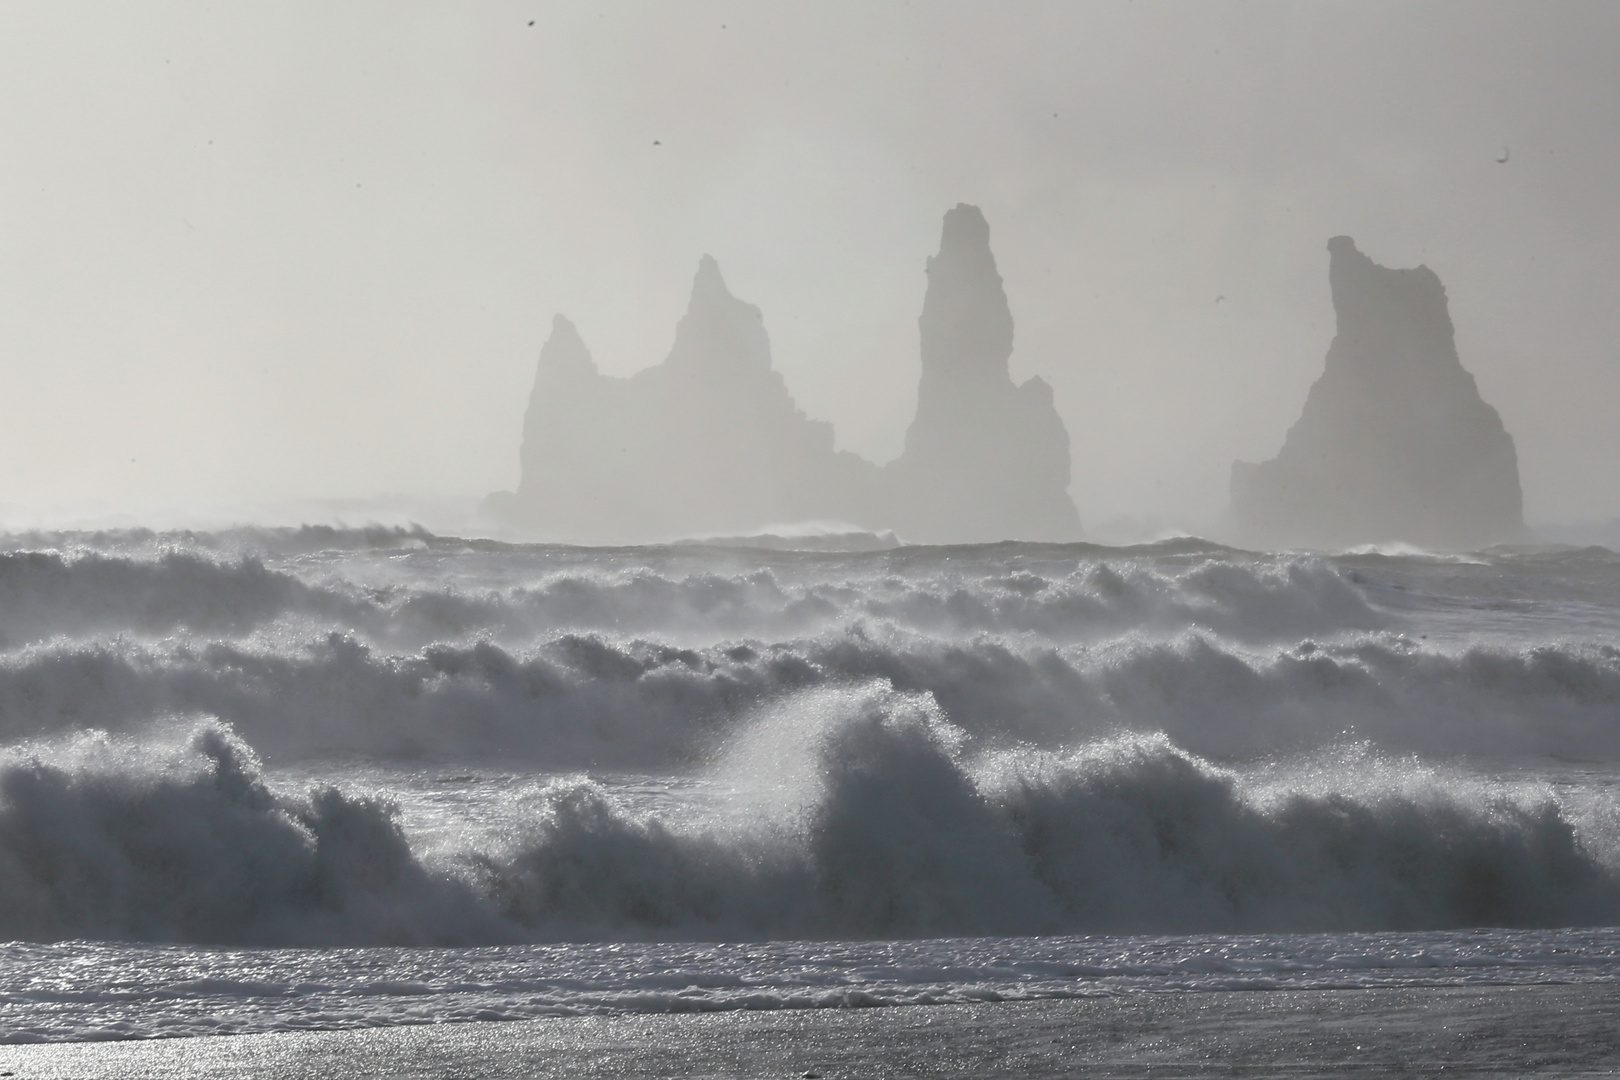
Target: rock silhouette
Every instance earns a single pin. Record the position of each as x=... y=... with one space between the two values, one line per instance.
x=985 y=459
x=1395 y=442
x=710 y=442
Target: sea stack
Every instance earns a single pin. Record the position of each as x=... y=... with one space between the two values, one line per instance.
x=985 y=459
x=707 y=443
x=710 y=444
x=1395 y=443
x=559 y=480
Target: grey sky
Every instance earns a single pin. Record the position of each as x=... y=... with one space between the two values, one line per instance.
x=263 y=252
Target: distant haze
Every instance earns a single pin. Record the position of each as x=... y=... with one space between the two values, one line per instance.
x=252 y=254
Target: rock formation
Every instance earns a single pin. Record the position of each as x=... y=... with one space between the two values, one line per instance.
x=1395 y=443
x=710 y=443
x=985 y=459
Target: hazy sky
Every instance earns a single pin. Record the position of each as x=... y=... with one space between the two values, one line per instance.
x=254 y=253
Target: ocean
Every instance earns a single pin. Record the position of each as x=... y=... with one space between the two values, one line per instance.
x=319 y=779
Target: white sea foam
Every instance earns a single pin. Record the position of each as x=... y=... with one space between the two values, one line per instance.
x=874 y=818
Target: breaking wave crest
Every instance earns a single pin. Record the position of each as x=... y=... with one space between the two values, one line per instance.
x=837 y=813
x=45 y=594
x=105 y=839
x=587 y=700
x=696 y=598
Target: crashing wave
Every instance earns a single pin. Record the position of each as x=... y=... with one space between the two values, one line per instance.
x=92 y=594
x=590 y=700
x=843 y=813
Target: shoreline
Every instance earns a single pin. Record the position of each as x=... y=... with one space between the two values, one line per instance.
x=1544 y=1030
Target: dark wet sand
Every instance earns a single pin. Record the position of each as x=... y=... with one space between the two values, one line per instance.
x=1449 y=1032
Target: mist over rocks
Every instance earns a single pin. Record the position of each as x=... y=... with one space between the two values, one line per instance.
x=1395 y=443
x=710 y=442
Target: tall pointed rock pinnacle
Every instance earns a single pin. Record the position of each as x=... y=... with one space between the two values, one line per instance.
x=966 y=325
x=984 y=459
x=556 y=430
x=1395 y=442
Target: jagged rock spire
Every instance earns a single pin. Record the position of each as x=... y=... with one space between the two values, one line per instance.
x=984 y=459
x=966 y=324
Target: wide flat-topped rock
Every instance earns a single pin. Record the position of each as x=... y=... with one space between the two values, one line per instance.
x=1395 y=443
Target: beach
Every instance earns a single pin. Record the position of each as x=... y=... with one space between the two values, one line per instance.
x=1564 y=1031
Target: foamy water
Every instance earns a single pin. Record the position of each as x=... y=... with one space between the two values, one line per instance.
x=249 y=775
